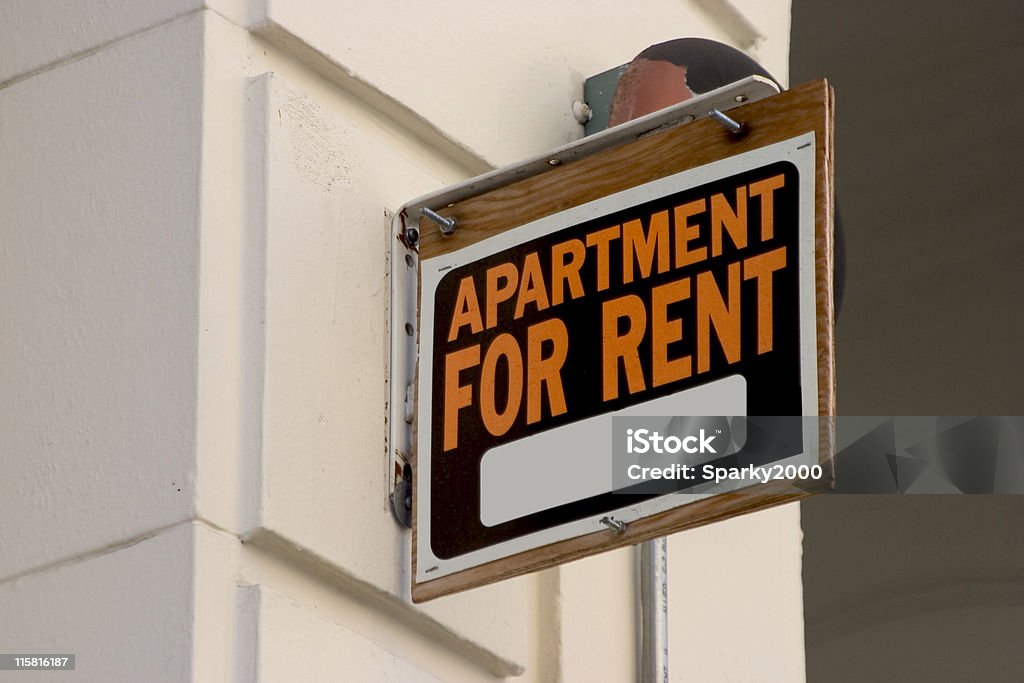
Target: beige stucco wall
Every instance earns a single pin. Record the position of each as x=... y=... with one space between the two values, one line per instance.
x=193 y=226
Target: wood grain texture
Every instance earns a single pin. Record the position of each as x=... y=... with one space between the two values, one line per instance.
x=806 y=108
x=716 y=509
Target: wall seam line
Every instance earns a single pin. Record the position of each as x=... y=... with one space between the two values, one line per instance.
x=93 y=554
x=96 y=49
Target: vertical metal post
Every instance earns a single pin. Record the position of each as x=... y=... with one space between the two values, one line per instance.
x=654 y=611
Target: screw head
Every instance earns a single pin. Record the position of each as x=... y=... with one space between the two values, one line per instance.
x=412 y=236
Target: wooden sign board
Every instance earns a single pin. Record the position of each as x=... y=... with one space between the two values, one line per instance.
x=688 y=272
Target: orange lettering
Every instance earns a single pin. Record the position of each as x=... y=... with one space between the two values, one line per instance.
x=760 y=268
x=637 y=245
x=545 y=371
x=504 y=346
x=712 y=310
x=735 y=223
x=563 y=272
x=531 y=289
x=665 y=331
x=496 y=294
x=467 y=310
x=686 y=233
x=625 y=346
x=765 y=189
x=456 y=396
x=601 y=239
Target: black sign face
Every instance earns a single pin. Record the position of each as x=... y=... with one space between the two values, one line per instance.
x=641 y=302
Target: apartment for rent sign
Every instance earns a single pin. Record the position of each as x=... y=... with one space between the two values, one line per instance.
x=587 y=319
x=703 y=280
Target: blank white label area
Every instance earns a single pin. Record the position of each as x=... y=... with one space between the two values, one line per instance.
x=574 y=462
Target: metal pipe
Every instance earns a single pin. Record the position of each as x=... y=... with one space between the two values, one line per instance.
x=654 y=611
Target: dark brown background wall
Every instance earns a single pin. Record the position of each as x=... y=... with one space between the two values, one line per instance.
x=931 y=189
